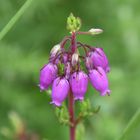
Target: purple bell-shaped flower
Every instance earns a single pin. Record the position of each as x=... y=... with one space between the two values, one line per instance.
x=100 y=59
x=99 y=81
x=60 y=89
x=47 y=75
x=79 y=84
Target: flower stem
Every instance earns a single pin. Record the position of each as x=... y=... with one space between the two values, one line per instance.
x=71 y=117
x=73 y=42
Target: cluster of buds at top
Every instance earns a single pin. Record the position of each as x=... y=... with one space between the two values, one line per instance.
x=65 y=72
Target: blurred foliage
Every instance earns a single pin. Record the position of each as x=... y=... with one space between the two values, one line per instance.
x=25 y=49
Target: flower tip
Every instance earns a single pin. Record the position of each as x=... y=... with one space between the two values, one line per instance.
x=42 y=87
x=56 y=103
x=105 y=92
x=94 y=31
x=108 y=69
x=79 y=98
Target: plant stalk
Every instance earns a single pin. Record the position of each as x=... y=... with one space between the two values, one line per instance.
x=71 y=117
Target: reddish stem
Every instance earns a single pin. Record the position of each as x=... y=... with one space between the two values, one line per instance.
x=64 y=41
x=83 y=33
x=71 y=117
x=71 y=99
x=73 y=42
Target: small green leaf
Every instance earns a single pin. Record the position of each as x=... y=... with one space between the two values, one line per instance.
x=62 y=114
x=61 y=68
x=80 y=132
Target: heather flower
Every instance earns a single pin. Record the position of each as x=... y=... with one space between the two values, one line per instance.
x=99 y=59
x=68 y=67
x=79 y=83
x=47 y=75
x=60 y=89
x=99 y=81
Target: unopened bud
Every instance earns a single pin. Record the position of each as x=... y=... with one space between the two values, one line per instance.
x=93 y=31
x=55 y=49
x=89 y=63
x=73 y=23
x=75 y=58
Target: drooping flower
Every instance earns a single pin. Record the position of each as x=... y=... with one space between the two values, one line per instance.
x=60 y=89
x=99 y=81
x=79 y=84
x=99 y=59
x=47 y=75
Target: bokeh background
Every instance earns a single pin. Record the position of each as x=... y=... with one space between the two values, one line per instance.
x=25 y=49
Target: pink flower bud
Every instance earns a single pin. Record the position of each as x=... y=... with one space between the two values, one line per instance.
x=89 y=63
x=99 y=81
x=94 y=31
x=75 y=59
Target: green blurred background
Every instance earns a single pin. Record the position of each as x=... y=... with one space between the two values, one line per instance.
x=25 y=49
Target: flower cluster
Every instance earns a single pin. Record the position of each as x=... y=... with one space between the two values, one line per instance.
x=65 y=72
x=68 y=71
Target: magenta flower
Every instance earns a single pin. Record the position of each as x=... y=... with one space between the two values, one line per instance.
x=47 y=75
x=60 y=89
x=79 y=84
x=99 y=81
x=99 y=59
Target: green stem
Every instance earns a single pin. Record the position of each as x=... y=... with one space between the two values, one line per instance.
x=132 y=124
x=15 y=18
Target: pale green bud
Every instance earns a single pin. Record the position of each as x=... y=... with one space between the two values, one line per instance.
x=73 y=23
x=94 y=31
